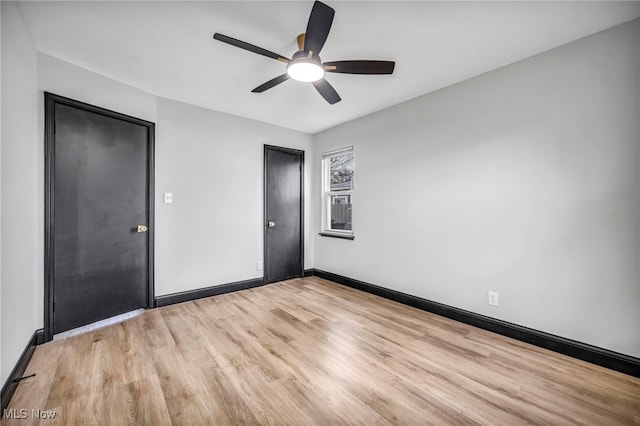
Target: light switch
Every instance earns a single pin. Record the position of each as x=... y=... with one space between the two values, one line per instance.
x=168 y=197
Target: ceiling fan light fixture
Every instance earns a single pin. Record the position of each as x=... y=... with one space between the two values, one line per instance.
x=305 y=70
x=305 y=65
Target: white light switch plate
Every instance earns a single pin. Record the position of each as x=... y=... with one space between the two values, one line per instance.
x=168 y=197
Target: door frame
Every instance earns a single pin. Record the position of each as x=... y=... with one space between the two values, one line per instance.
x=266 y=219
x=50 y=101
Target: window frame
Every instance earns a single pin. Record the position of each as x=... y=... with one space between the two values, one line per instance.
x=327 y=193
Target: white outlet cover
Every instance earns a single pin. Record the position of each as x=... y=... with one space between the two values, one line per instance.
x=493 y=298
x=168 y=197
x=259 y=265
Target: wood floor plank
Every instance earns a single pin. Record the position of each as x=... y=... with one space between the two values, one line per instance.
x=308 y=351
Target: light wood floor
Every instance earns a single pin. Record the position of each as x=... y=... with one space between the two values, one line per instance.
x=312 y=352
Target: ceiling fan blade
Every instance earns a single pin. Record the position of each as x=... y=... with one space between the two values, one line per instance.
x=250 y=47
x=318 y=27
x=327 y=91
x=271 y=83
x=360 y=67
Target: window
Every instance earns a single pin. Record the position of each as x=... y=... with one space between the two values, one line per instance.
x=337 y=193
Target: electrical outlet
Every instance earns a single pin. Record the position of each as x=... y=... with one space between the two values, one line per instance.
x=259 y=265
x=168 y=197
x=492 y=298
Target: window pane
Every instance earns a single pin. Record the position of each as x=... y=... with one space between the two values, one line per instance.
x=340 y=212
x=341 y=172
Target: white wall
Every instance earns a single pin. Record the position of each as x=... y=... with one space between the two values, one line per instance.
x=213 y=164
x=21 y=265
x=523 y=180
x=64 y=79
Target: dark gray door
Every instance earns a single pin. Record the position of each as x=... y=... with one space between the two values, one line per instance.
x=99 y=263
x=283 y=237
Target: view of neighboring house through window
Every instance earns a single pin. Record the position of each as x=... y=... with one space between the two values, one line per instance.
x=337 y=191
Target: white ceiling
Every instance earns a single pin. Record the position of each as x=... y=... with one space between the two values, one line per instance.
x=166 y=48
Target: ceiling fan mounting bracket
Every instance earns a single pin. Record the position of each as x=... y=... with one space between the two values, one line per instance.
x=300 y=40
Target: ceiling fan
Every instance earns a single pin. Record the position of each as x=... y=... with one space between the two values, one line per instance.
x=305 y=65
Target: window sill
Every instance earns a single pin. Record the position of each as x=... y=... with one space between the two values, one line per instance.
x=341 y=236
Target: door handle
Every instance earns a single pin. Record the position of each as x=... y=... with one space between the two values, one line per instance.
x=142 y=228
x=271 y=224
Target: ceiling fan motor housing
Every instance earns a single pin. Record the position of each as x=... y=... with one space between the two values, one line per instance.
x=304 y=54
